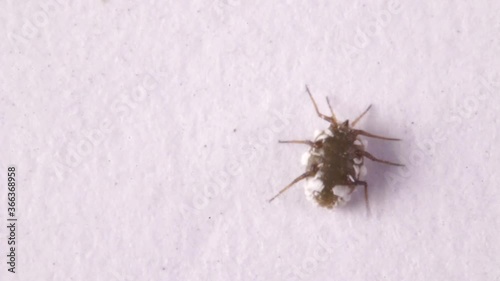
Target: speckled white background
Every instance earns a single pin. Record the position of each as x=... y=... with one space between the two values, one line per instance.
x=145 y=138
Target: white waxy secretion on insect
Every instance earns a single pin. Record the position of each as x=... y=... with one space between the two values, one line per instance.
x=313 y=185
x=342 y=191
x=360 y=171
x=317 y=132
x=305 y=158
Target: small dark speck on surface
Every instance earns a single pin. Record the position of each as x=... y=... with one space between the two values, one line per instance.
x=234 y=130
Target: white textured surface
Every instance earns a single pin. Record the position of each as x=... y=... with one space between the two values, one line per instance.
x=145 y=135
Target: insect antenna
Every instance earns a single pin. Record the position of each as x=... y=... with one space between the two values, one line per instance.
x=331 y=109
x=331 y=119
x=360 y=116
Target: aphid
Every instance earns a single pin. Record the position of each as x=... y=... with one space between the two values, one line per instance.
x=335 y=161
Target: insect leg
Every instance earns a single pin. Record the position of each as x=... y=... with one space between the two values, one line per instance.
x=331 y=110
x=373 y=158
x=301 y=177
x=308 y=142
x=363 y=133
x=331 y=119
x=360 y=116
x=365 y=184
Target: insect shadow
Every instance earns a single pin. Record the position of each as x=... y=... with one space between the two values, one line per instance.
x=335 y=160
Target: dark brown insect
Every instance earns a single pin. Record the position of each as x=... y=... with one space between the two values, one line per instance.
x=335 y=161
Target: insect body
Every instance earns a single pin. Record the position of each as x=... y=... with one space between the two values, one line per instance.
x=334 y=162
